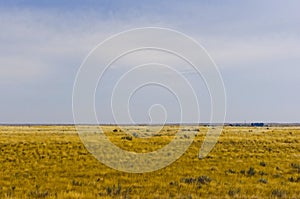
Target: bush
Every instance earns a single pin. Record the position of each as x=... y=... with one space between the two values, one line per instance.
x=126 y=138
x=230 y=171
x=278 y=193
x=188 y=180
x=262 y=180
x=135 y=134
x=203 y=180
x=262 y=173
x=200 y=180
x=114 y=190
x=251 y=171
x=262 y=164
x=173 y=183
x=295 y=165
x=233 y=191
x=292 y=179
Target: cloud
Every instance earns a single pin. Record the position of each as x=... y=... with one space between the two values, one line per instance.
x=45 y=43
x=53 y=37
x=253 y=51
x=16 y=68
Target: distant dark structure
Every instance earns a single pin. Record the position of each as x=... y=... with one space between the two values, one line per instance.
x=258 y=124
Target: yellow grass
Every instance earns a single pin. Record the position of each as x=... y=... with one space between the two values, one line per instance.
x=52 y=162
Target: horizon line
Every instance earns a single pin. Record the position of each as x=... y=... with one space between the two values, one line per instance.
x=265 y=124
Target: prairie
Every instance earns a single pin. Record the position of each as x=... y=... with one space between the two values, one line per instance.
x=247 y=162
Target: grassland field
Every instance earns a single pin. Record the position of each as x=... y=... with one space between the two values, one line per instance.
x=247 y=162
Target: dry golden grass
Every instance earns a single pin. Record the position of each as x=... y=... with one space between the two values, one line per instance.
x=52 y=162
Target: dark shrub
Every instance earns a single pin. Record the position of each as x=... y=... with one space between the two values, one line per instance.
x=294 y=179
x=251 y=171
x=200 y=180
x=262 y=180
x=262 y=164
x=233 y=191
x=188 y=180
x=230 y=171
x=278 y=193
x=203 y=180
x=126 y=138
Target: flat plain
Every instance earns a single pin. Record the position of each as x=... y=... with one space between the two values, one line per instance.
x=246 y=162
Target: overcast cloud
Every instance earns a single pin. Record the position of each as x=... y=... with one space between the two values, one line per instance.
x=256 y=45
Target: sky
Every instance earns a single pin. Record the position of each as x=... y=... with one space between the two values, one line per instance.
x=255 y=44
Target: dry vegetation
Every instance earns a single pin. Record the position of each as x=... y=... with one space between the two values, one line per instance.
x=51 y=162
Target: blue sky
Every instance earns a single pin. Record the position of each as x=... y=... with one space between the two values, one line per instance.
x=256 y=45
